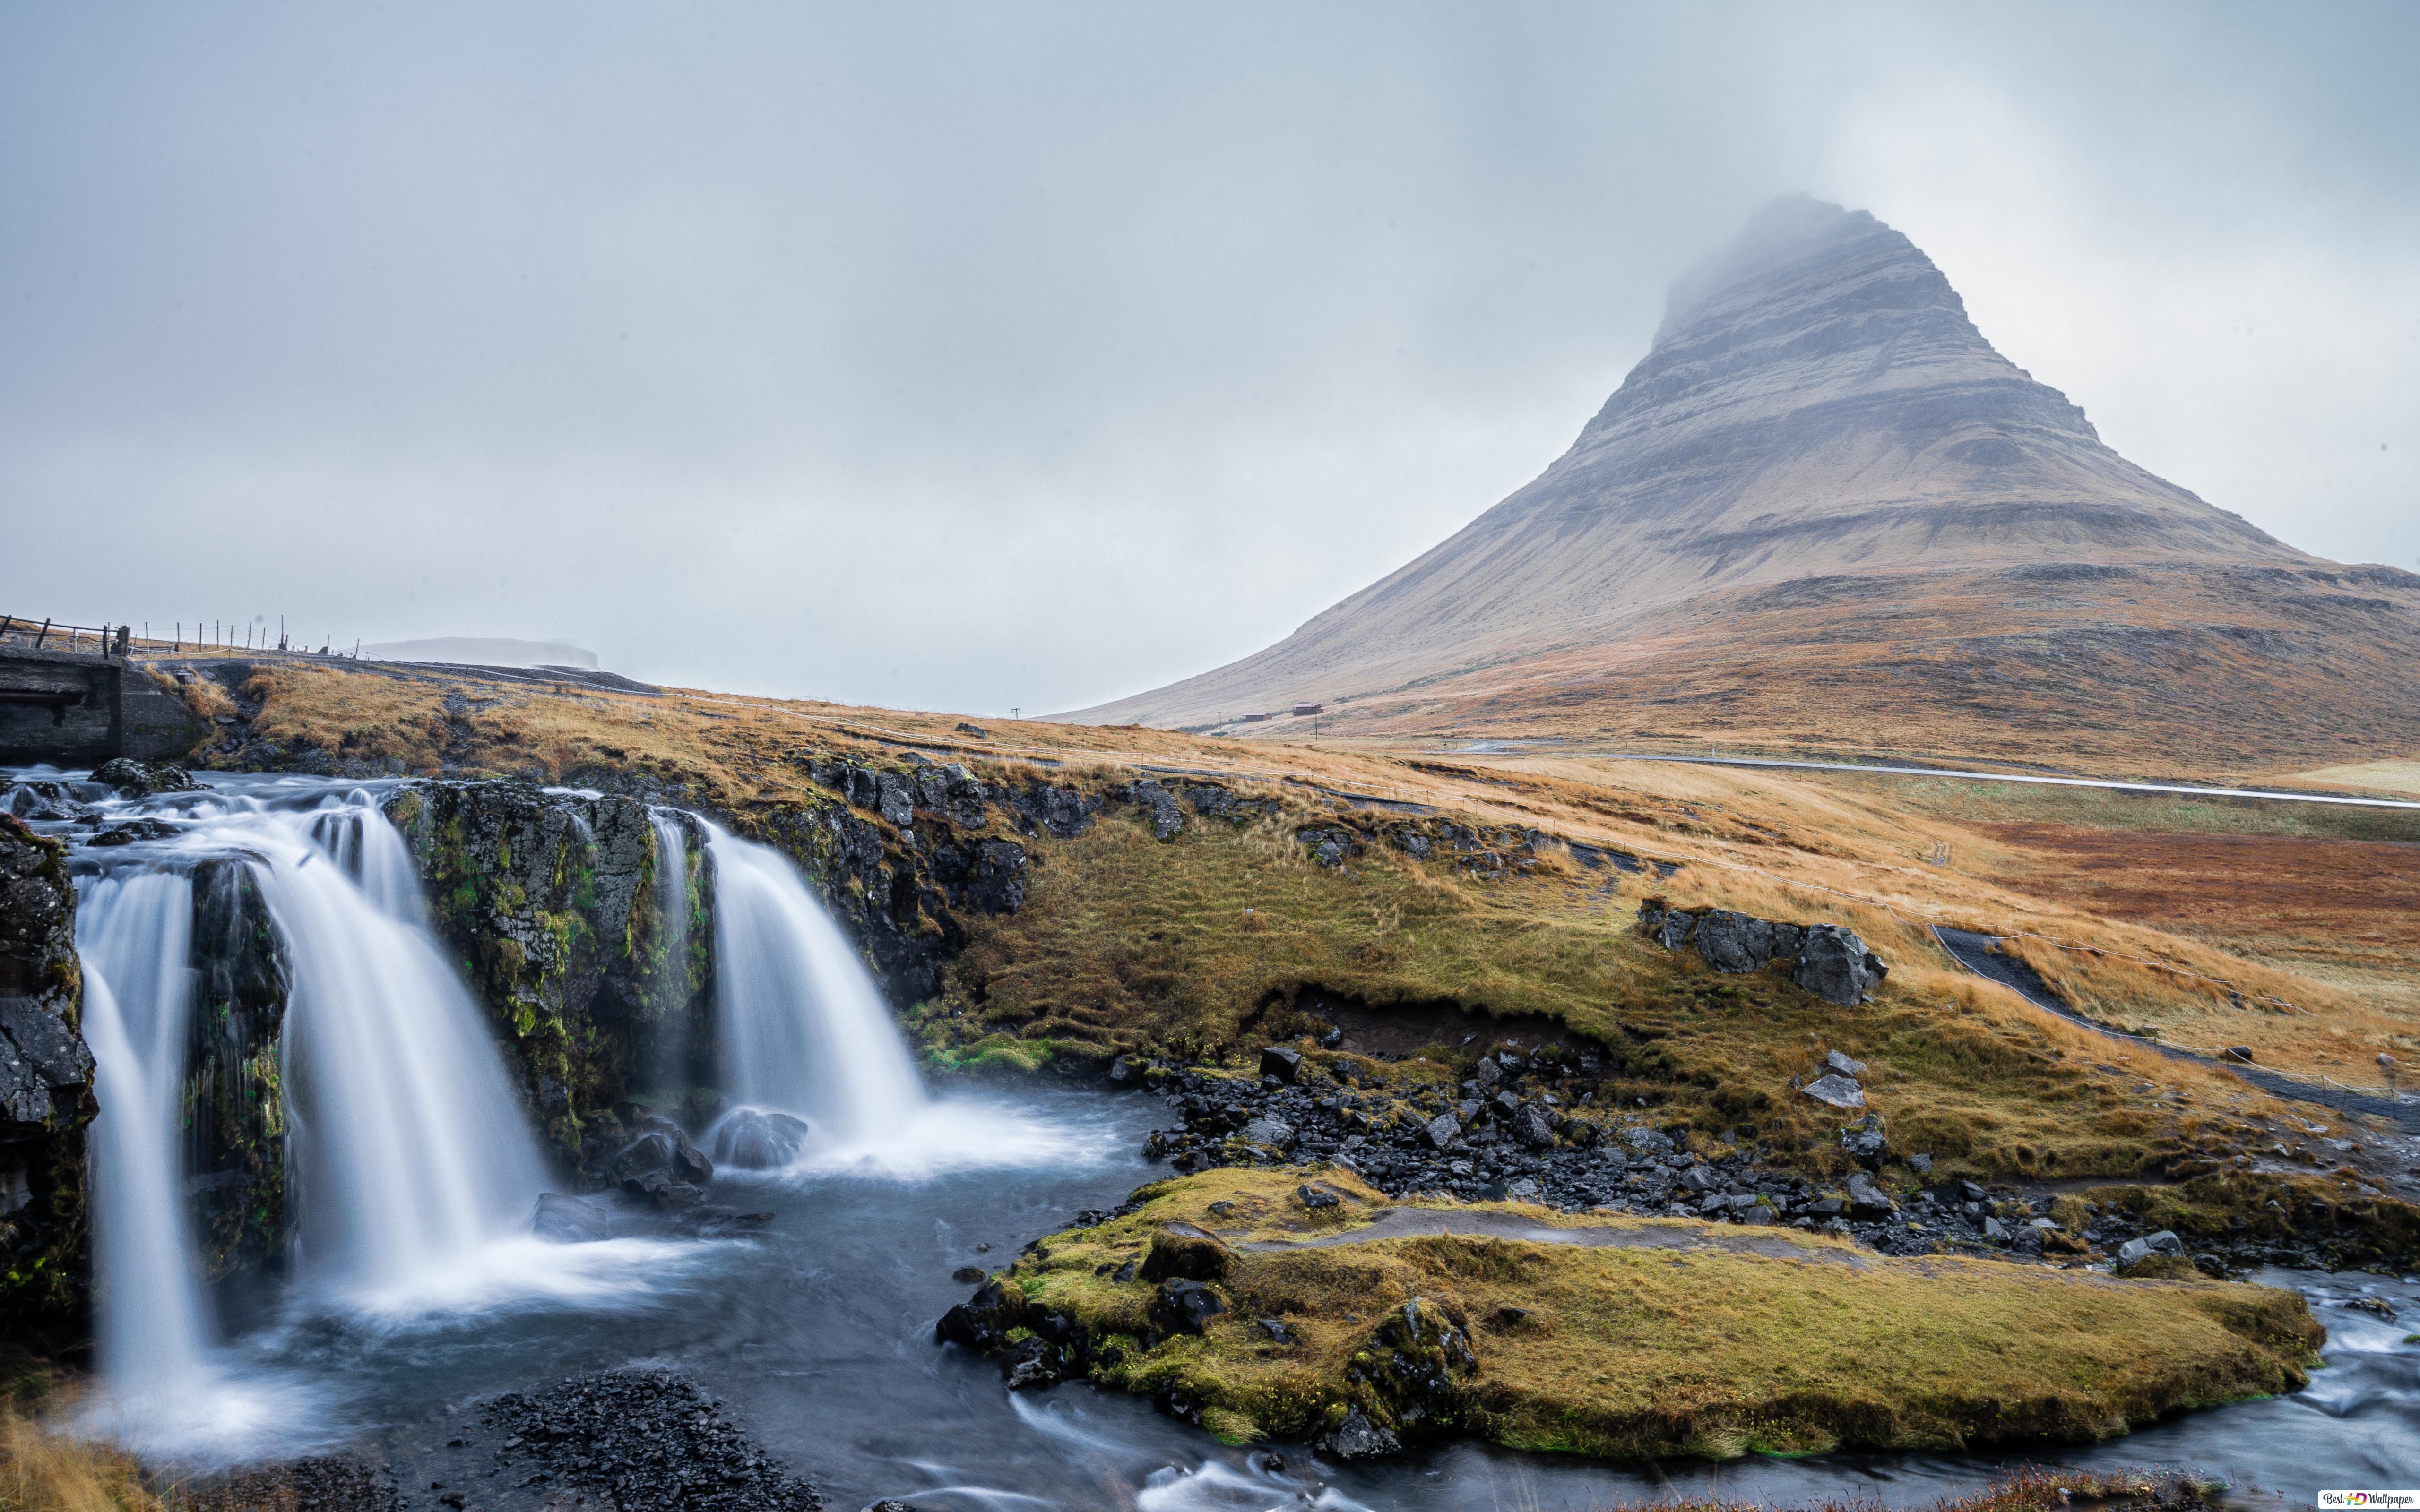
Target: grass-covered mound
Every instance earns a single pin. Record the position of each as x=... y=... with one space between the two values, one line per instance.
x=1646 y=1337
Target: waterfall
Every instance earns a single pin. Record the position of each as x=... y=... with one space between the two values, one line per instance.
x=132 y=932
x=802 y=1027
x=409 y=1146
x=668 y=1045
x=406 y=1146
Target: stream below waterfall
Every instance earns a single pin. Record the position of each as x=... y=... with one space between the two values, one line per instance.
x=817 y=1323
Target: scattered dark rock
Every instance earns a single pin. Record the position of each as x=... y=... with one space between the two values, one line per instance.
x=1866 y=1142
x=1329 y=847
x=663 y=1148
x=968 y=1276
x=1273 y=1131
x=2163 y=1242
x=1031 y=1362
x=1183 y=1307
x=1317 y=1198
x=1417 y=1355
x=982 y=1322
x=1867 y=1200
x=131 y=830
x=1737 y=943
x=644 y=1439
x=319 y=1484
x=1836 y=1090
x=569 y=1221
x=1186 y=1257
x=1158 y=804
x=1354 y=1437
x=1829 y=960
x=1835 y=966
x=140 y=779
x=1283 y=1062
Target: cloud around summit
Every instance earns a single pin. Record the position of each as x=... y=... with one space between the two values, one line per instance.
x=970 y=357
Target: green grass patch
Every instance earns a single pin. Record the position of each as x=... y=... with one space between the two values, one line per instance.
x=1689 y=1342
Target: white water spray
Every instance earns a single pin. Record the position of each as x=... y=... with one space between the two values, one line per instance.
x=410 y=1148
x=133 y=934
x=803 y=1029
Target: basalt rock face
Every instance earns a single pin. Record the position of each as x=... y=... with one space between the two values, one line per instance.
x=234 y=1096
x=549 y=900
x=1820 y=451
x=46 y=1099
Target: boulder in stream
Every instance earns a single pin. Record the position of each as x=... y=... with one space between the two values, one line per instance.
x=140 y=779
x=757 y=1139
x=661 y=1148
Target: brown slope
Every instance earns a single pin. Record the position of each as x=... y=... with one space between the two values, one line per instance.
x=1818 y=409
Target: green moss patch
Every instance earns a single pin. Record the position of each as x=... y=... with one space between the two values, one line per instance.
x=1661 y=1336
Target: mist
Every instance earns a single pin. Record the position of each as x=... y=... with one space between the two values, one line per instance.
x=970 y=357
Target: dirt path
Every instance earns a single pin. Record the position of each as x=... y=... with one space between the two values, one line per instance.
x=1974 y=951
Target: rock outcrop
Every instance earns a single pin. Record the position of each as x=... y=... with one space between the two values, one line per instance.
x=46 y=1099
x=234 y=1092
x=1828 y=959
x=549 y=900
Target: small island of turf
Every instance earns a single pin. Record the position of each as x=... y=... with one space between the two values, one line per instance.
x=1305 y=1304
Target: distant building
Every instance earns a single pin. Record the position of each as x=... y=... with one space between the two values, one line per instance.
x=1307 y=708
x=1253 y=719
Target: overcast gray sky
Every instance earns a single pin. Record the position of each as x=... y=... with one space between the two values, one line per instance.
x=970 y=356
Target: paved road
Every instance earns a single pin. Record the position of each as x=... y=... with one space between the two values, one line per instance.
x=2011 y=777
x=1974 y=951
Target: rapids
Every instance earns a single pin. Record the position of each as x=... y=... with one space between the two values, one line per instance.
x=416 y=1289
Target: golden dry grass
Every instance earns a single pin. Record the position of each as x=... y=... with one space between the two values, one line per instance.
x=41 y=1471
x=1128 y=922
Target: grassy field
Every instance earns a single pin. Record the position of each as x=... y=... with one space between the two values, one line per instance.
x=1187 y=946
x=1677 y=1337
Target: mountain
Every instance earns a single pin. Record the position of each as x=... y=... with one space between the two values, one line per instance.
x=484 y=651
x=1824 y=510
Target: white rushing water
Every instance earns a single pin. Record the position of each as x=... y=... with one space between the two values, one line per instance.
x=409 y=1147
x=802 y=1026
x=133 y=934
x=408 y=1154
x=669 y=1050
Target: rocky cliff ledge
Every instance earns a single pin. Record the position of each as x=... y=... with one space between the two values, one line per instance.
x=46 y=1100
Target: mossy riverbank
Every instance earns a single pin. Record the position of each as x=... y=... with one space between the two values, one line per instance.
x=1302 y=1303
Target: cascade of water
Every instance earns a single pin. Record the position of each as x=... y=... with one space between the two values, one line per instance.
x=670 y=1049
x=409 y=1143
x=132 y=934
x=803 y=1029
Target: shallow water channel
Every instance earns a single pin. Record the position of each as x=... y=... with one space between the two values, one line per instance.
x=818 y=1327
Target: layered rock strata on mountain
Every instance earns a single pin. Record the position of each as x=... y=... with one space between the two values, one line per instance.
x=46 y=1097
x=1820 y=445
